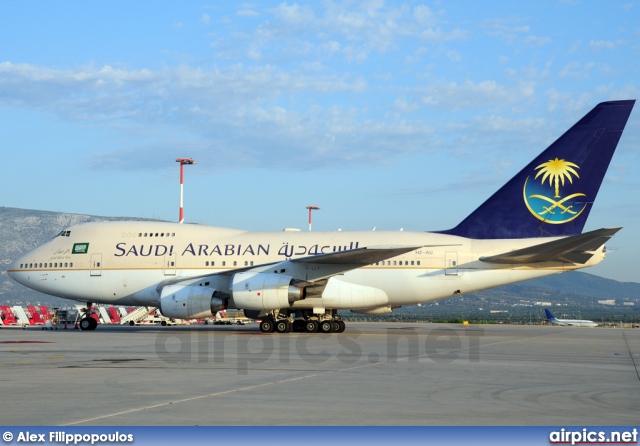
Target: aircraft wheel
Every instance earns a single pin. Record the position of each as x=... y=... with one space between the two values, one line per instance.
x=85 y=323
x=93 y=324
x=311 y=326
x=326 y=326
x=341 y=326
x=283 y=326
x=267 y=326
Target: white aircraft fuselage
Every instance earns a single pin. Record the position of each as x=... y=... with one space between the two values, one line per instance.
x=126 y=261
x=531 y=227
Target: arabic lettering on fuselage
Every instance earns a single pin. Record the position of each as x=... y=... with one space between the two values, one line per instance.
x=201 y=250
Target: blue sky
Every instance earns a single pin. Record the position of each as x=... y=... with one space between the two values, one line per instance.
x=386 y=114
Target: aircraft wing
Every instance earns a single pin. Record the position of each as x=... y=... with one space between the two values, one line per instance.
x=315 y=268
x=573 y=249
x=360 y=256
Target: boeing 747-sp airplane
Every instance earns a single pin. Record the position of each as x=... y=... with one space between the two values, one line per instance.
x=573 y=322
x=531 y=227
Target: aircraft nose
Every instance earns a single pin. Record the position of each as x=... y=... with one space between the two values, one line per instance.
x=12 y=268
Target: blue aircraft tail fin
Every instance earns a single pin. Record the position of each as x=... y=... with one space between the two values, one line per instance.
x=549 y=315
x=553 y=195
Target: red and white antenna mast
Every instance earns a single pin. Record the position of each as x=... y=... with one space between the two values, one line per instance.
x=182 y=162
x=311 y=209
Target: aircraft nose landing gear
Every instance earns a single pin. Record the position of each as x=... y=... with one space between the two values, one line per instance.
x=88 y=322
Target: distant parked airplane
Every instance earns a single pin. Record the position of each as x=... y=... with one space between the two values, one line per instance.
x=574 y=322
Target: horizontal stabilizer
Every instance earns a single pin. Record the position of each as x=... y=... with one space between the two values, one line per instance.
x=573 y=249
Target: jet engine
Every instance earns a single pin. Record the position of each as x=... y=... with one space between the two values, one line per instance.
x=190 y=302
x=263 y=291
x=378 y=310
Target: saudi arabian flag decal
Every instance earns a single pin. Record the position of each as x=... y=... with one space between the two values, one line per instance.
x=80 y=248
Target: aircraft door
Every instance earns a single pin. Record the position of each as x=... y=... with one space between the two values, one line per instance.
x=451 y=263
x=170 y=265
x=95 y=267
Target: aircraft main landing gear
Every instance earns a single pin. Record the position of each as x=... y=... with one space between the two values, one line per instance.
x=267 y=325
x=306 y=322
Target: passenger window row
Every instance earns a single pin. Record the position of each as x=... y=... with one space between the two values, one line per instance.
x=44 y=265
x=234 y=263
x=399 y=263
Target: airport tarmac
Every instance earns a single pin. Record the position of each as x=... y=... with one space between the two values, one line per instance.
x=372 y=374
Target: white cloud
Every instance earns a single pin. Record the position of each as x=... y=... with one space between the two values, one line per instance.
x=576 y=70
x=235 y=115
x=360 y=28
x=604 y=45
x=205 y=19
x=423 y=16
x=501 y=29
x=456 y=96
x=247 y=10
x=537 y=40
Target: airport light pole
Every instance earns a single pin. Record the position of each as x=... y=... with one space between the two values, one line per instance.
x=311 y=209
x=182 y=162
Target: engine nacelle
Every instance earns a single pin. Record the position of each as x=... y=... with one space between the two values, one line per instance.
x=344 y=295
x=379 y=310
x=263 y=291
x=189 y=302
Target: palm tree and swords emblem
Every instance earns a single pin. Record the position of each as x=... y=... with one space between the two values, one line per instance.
x=556 y=209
